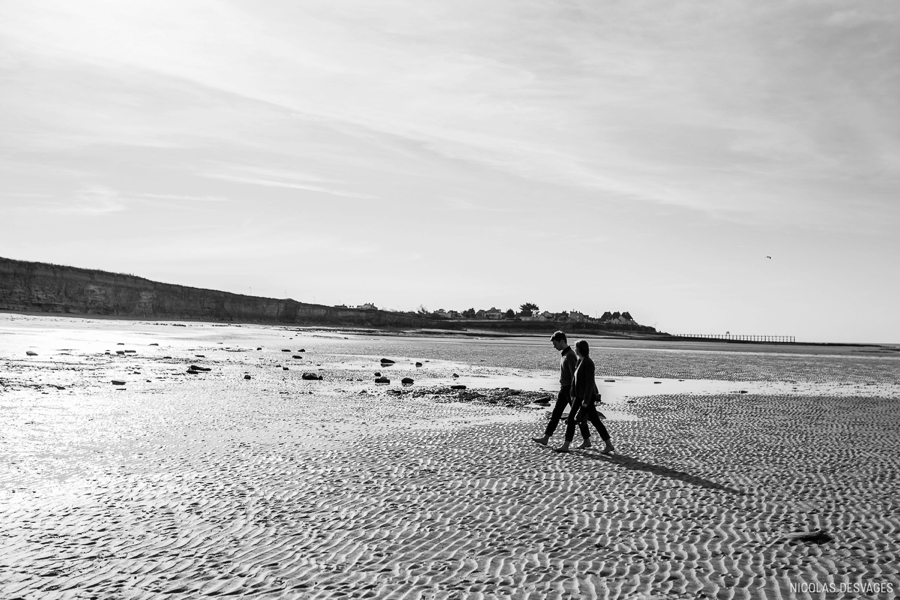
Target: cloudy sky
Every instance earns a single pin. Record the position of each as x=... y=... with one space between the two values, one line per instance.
x=593 y=155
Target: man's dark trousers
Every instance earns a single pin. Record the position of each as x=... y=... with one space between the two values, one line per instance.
x=562 y=401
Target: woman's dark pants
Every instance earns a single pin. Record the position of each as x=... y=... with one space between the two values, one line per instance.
x=592 y=416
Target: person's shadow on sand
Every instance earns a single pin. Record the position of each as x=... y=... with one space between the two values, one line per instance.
x=638 y=465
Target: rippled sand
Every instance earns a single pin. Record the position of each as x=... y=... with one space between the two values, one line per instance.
x=186 y=486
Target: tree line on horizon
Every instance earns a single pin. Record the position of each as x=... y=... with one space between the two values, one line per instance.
x=527 y=310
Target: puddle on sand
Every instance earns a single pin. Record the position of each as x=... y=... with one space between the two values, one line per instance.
x=621 y=388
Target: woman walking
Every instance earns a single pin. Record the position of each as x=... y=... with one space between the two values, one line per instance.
x=584 y=396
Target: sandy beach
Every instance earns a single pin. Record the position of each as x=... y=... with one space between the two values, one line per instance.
x=743 y=472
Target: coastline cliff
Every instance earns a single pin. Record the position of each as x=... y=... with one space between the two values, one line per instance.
x=33 y=287
x=47 y=288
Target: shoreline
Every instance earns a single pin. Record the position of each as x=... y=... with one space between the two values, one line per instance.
x=456 y=333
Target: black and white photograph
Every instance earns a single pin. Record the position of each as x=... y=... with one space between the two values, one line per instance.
x=418 y=300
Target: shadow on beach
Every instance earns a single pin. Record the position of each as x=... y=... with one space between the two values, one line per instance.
x=634 y=464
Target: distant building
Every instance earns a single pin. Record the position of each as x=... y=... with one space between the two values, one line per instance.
x=367 y=306
x=536 y=316
x=494 y=313
x=617 y=318
x=621 y=320
x=575 y=315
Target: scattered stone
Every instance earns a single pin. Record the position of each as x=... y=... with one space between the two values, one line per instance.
x=247 y=377
x=457 y=387
x=165 y=357
x=386 y=362
x=196 y=368
x=154 y=344
x=131 y=352
x=455 y=375
x=657 y=382
x=311 y=376
x=813 y=537
x=120 y=352
x=418 y=364
x=120 y=344
x=118 y=382
x=285 y=349
x=382 y=380
x=407 y=381
x=377 y=373
x=302 y=350
x=31 y=353
x=285 y=369
x=260 y=348
x=199 y=356
x=296 y=356
x=609 y=380
x=742 y=392
x=543 y=401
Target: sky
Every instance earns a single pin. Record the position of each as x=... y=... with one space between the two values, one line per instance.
x=581 y=155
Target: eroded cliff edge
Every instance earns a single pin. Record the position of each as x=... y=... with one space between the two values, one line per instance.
x=41 y=287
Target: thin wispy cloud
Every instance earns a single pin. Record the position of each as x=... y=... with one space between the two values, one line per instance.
x=94 y=202
x=289 y=185
x=184 y=198
x=282 y=178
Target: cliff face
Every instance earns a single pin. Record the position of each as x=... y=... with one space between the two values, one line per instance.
x=41 y=287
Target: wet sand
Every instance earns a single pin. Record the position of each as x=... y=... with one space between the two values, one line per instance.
x=183 y=486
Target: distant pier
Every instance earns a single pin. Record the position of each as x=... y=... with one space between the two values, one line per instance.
x=772 y=339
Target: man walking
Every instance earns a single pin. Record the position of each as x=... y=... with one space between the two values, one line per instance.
x=567 y=363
